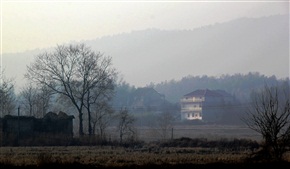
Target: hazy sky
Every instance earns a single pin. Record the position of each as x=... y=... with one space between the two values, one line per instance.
x=38 y=24
x=27 y=25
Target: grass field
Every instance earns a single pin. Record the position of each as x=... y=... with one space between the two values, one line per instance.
x=146 y=156
x=118 y=157
x=211 y=132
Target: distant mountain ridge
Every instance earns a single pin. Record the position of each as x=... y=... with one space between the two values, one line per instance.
x=152 y=55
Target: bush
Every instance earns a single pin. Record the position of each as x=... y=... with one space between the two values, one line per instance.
x=223 y=144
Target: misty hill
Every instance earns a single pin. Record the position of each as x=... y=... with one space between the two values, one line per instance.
x=238 y=46
x=152 y=55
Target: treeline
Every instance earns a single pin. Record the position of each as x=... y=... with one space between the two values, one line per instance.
x=239 y=85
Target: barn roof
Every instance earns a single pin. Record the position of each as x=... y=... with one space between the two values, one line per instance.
x=18 y=117
x=60 y=115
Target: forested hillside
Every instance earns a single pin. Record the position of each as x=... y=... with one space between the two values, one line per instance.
x=239 y=85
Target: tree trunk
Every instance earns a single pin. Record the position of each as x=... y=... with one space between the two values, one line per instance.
x=121 y=136
x=81 y=132
x=90 y=125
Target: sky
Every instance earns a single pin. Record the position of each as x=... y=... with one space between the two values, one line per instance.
x=28 y=25
x=39 y=24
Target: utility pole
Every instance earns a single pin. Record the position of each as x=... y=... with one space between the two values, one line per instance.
x=18 y=131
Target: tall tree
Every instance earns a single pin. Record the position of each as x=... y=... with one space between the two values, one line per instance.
x=99 y=79
x=74 y=71
x=7 y=95
x=270 y=116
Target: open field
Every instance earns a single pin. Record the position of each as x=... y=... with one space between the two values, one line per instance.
x=210 y=132
x=119 y=157
x=148 y=155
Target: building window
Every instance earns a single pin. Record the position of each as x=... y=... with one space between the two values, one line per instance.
x=188 y=114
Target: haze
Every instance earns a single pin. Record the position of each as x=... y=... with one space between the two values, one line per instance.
x=30 y=25
x=39 y=24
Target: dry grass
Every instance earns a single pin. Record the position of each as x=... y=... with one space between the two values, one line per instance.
x=115 y=156
x=148 y=155
x=119 y=157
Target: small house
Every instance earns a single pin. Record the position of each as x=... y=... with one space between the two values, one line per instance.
x=204 y=104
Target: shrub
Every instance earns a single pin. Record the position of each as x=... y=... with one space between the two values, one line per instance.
x=222 y=144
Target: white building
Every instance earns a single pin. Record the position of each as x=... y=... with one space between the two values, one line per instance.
x=203 y=104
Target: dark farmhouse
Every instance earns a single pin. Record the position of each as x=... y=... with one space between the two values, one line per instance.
x=52 y=129
x=148 y=99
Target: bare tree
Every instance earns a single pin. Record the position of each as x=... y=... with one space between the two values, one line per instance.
x=74 y=71
x=165 y=124
x=100 y=79
x=270 y=116
x=101 y=118
x=125 y=124
x=28 y=99
x=35 y=100
x=44 y=97
x=7 y=95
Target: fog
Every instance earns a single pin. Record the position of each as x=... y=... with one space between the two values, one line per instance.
x=152 y=41
x=154 y=55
